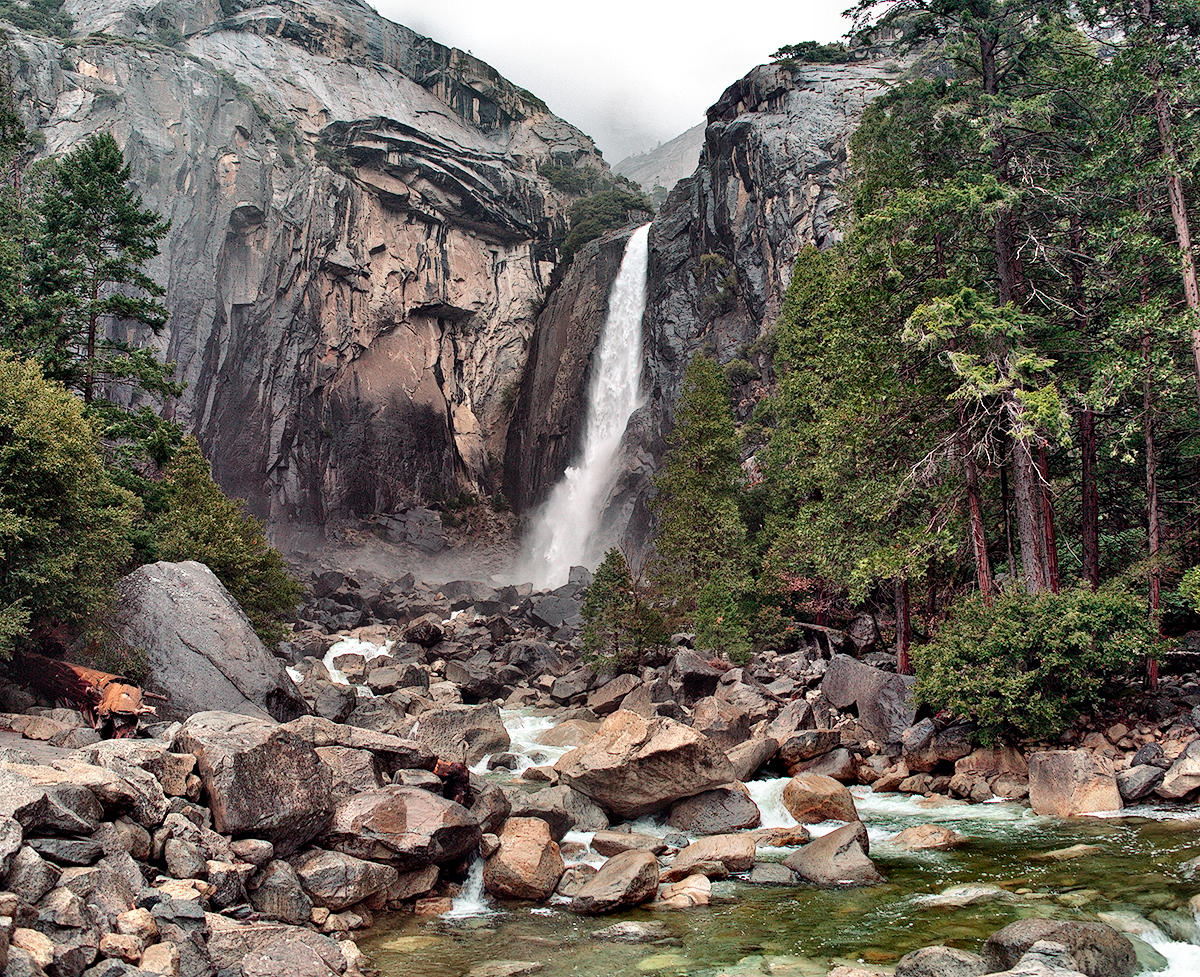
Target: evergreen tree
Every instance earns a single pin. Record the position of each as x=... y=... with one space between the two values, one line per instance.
x=620 y=621
x=93 y=294
x=701 y=539
x=201 y=523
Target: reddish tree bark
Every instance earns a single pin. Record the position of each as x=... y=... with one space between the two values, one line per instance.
x=903 y=627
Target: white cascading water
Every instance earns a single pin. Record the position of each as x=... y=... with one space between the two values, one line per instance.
x=564 y=534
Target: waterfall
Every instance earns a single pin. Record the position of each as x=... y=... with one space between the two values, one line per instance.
x=472 y=900
x=564 y=533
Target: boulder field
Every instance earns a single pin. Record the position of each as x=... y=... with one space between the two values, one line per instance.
x=232 y=840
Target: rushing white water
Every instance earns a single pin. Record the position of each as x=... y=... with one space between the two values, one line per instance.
x=524 y=728
x=472 y=900
x=564 y=533
x=352 y=646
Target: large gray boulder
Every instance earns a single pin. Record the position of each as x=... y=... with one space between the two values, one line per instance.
x=881 y=698
x=465 y=734
x=201 y=650
x=635 y=766
x=259 y=778
x=1067 y=783
x=627 y=879
x=1097 y=949
x=840 y=858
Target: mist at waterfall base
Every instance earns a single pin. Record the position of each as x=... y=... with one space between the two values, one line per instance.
x=566 y=530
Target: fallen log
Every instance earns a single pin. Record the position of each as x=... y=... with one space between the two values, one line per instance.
x=111 y=704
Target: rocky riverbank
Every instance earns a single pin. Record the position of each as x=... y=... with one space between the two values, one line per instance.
x=289 y=802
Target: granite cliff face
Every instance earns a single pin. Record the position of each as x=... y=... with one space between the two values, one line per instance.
x=721 y=256
x=360 y=235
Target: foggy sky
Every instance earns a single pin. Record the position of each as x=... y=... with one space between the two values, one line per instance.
x=629 y=73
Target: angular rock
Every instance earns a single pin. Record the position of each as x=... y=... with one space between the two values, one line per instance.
x=881 y=698
x=1097 y=949
x=201 y=650
x=337 y=881
x=840 y=858
x=941 y=961
x=527 y=864
x=627 y=879
x=1183 y=776
x=748 y=758
x=610 y=843
x=695 y=890
x=406 y=827
x=807 y=744
x=562 y=807
x=635 y=766
x=1067 y=783
x=812 y=798
x=465 y=734
x=259 y=778
x=928 y=837
x=1139 y=781
x=719 y=811
x=277 y=894
x=733 y=852
x=725 y=724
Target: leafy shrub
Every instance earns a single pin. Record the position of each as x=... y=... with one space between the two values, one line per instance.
x=720 y=620
x=1029 y=665
x=202 y=523
x=738 y=372
x=811 y=52
x=42 y=16
x=620 y=622
x=64 y=524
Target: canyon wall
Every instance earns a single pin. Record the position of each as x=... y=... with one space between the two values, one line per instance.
x=360 y=235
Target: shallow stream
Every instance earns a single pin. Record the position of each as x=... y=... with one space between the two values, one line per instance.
x=1132 y=879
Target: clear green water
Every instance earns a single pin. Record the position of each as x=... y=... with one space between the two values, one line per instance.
x=802 y=931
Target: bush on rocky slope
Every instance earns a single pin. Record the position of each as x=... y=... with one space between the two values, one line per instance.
x=1030 y=664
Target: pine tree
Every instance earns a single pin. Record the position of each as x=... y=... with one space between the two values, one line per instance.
x=701 y=540
x=92 y=291
x=620 y=620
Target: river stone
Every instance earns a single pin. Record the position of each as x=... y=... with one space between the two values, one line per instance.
x=881 y=698
x=748 y=758
x=1067 y=783
x=1183 y=776
x=695 y=890
x=1098 y=949
x=465 y=734
x=201 y=649
x=941 y=961
x=337 y=881
x=812 y=798
x=1138 y=782
x=562 y=807
x=259 y=778
x=627 y=879
x=635 y=766
x=276 y=893
x=528 y=863
x=719 y=811
x=407 y=827
x=609 y=843
x=630 y=931
x=725 y=724
x=731 y=852
x=807 y=744
x=839 y=858
x=928 y=837
x=572 y=732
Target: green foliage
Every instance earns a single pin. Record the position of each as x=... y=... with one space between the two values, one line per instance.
x=202 y=523
x=64 y=523
x=739 y=372
x=1031 y=664
x=39 y=16
x=598 y=214
x=620 y=621
x=702 y=567
x=812 y=52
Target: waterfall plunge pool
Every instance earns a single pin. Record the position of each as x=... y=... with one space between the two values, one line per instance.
x=1135 y=880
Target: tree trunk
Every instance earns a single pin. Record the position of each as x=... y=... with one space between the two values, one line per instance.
x=1153 y=536
x=983 y=567
x=1179 y=211
x=903 y=627
x=1028 y=510
x=1091 y=499
x=1006 y=503
x=1050 y=540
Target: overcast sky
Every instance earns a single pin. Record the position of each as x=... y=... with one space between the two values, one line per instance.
x=629 y=73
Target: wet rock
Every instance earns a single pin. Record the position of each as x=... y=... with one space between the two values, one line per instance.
x=201 y=650
x=610 y=843
x=840 y=858
x=881 y=698
x=771 y=873
x=719 y=811
x=635 y=766
x=839 y=764
x=562 y=807
x=528 y=863
x=1097 y=949
x=572 y=732
x=695 y=890
x=504 y=968
x=1139 y=781
x=627 y=879
x=748 y=758
x=726 y=725
x=630 y=931
x=462 y=733
x=406 y=827
x=807 y=744
x=928 y=837
x=941 y=961
x=337 y=881
x=732 y=852
x=1067 y=783
x=812 y=798
x=1183 y=776
x=260 y=779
